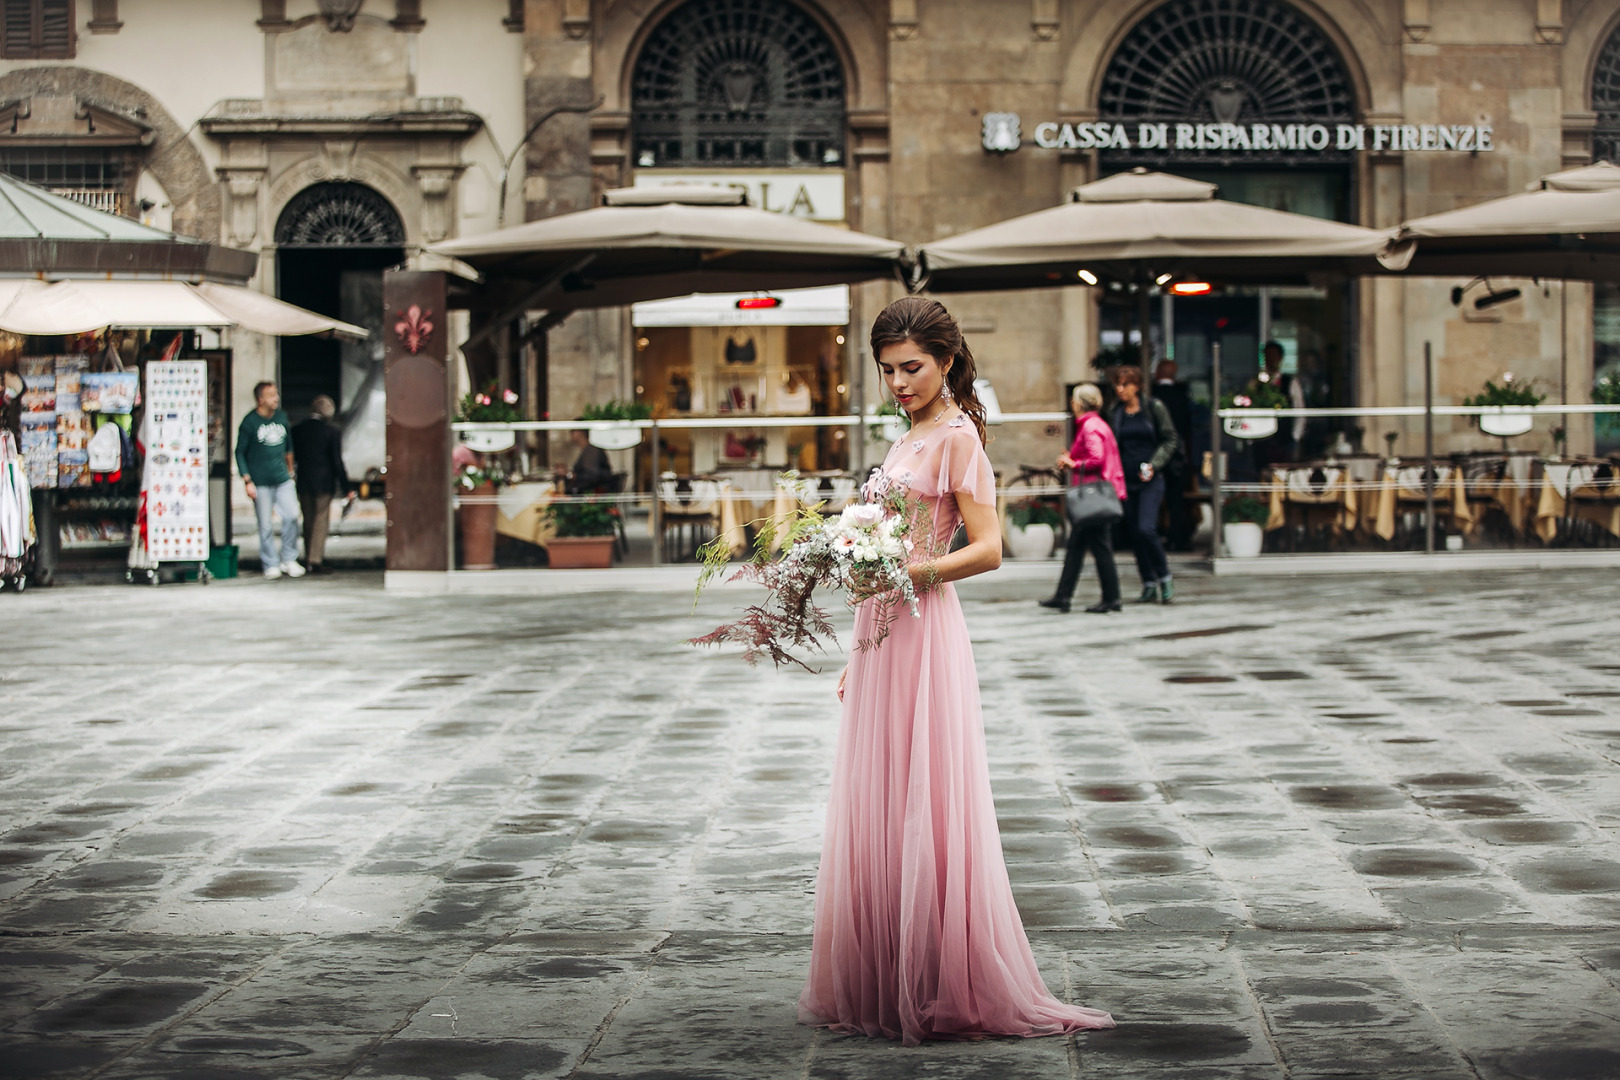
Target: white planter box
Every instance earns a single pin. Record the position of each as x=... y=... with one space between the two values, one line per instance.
x=1251 y=427
x=1505 y=425
x=615 y=438
x=489 y=442
x=1031 y=542
x=1243 y=539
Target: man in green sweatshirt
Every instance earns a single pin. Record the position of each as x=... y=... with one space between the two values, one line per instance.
x=264 y=458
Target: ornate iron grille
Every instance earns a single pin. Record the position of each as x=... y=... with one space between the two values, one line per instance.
x=738 y=83
x=339 y=215
x=1606 y=102
x=1225 y=61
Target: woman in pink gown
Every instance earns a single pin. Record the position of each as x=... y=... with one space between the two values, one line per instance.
x=916 y=933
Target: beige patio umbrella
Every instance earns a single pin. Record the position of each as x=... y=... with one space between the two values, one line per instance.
x=1567 y=225
x=29 y=306
x=657 y=242
x=1138 y=227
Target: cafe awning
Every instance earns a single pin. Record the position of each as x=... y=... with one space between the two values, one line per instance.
x=76 y=307
x=667 y=241
x=1141 y=226
x=1566 y=226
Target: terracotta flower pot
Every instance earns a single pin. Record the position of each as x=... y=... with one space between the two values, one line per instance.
x=580 y=552
x=477 y=515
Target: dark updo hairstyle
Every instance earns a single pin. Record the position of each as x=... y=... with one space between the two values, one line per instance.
x=926 y=324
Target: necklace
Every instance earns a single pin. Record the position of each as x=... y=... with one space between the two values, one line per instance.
x=917 y=443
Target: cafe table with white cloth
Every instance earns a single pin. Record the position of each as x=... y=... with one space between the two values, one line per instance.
x=1313 y=485
x=1404 y=483
x=1592 y=486
x=745 y=494
x=520 y=511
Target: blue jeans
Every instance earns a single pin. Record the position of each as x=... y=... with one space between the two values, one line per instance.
x=1142 y=526
x=281 y=499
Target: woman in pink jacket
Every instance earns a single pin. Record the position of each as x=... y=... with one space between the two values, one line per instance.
x=1093 y=455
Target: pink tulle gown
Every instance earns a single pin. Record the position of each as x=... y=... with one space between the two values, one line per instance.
x=916 y=933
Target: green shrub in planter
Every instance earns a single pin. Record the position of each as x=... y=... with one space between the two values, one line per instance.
x=588 y=517
x=1245 y=508
x=1034 y=512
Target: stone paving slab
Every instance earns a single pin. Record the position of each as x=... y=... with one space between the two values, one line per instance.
x=1317 y=828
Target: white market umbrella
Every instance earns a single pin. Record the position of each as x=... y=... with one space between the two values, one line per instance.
x=666 y=241
x=1567 y=226
x=1139 y=226
x=76 y=307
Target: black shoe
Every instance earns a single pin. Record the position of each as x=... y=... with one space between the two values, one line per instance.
x=1104 y=607
x=1150 y=594
x=1056 y=604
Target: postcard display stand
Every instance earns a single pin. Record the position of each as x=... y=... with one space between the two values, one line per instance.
x=176 y=478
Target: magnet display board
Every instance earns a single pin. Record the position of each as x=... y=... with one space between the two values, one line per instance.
x=176 y=479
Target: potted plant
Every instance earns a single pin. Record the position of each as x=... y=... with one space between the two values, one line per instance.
x=489 y=406
x=1512 y=394
x=1032 y=528
x=1244 y=518
x=475 y=486
x=1260 y=394
x=585 y=530
x=616 y=438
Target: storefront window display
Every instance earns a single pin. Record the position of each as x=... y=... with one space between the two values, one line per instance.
x=704 y=356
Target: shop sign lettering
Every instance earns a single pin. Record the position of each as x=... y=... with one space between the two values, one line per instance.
x=1257 y=138
x=814 y=194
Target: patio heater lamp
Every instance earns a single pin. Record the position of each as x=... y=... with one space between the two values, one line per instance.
x=1491 y=298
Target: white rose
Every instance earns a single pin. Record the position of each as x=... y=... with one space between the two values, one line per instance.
x=861 y=515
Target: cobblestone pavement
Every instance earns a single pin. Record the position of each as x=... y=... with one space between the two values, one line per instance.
x=1281 y=829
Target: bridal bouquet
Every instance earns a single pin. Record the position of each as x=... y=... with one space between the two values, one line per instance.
x=862 y=551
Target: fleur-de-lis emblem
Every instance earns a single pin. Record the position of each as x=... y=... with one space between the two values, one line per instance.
x=413 y=328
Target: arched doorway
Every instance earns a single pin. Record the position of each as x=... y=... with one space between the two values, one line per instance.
x=1237 y=86
x=334 y=240
x=1606 y=295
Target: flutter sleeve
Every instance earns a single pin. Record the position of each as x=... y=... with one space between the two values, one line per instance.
x=964 y=467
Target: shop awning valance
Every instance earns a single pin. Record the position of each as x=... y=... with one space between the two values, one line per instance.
x=77 y=307
x=657 y=242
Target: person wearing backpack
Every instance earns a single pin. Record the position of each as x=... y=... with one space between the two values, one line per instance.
x=1147 y=441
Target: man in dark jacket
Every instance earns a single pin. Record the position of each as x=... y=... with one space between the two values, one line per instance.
x=592 y=471
x=318 y=451
x=1174 y=396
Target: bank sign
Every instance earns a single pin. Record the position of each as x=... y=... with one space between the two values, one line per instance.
x=1003 y=132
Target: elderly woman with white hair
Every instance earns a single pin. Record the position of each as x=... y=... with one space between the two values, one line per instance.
x=1094 y=456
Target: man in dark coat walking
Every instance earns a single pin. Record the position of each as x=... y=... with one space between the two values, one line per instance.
x=318 y=451
x=1174 y=396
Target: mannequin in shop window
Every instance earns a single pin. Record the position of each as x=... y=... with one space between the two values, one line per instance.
x=740 y=349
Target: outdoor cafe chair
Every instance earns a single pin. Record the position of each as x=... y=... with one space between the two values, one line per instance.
x=690 y=504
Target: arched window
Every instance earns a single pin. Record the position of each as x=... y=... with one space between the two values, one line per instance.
x=1606 y=102
x=1226 y=61
x=339 y=215
x=738 y=83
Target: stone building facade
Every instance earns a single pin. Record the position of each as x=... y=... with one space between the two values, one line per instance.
x=336 y=138
x=340 y=136
x=918 y=78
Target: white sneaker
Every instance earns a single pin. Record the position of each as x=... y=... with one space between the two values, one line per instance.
x=292 y=569
x=271 y=573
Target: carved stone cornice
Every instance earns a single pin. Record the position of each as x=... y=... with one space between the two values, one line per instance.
x=234 y=120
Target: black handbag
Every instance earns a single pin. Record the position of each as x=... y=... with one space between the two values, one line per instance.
x=1092 y=503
